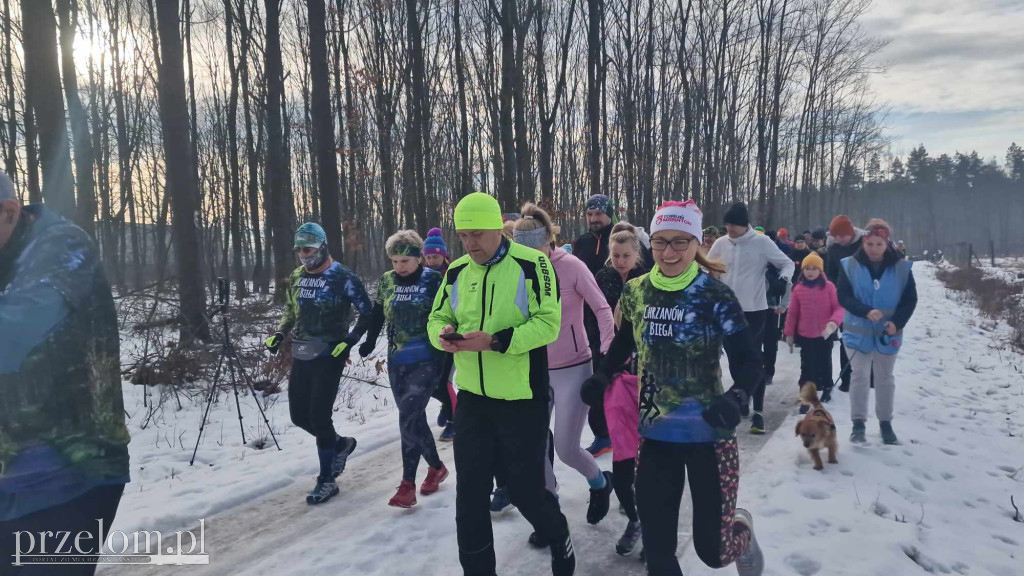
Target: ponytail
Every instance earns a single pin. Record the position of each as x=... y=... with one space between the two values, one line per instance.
x=716 y=268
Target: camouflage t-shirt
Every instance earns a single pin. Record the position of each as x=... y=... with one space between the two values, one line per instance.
x=407 y=303
x=318 y=306
x=679 y=338
x=62 y=424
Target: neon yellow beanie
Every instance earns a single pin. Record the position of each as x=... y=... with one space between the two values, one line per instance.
x=478 y=211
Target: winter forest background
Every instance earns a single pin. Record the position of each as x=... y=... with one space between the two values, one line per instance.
x=190 y=137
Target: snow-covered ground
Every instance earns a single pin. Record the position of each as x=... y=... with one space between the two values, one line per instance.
x=940 y=501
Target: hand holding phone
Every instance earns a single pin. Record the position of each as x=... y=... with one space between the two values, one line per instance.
x=452 y=336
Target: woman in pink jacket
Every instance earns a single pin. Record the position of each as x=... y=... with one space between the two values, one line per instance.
x=569 y=358
x=814 y=316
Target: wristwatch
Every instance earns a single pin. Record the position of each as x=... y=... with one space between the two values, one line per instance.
x=495 y=345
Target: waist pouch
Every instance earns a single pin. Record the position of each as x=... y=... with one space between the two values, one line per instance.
x=309 y=349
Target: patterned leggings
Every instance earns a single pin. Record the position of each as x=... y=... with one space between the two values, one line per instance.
x=714 y=471
x=412 y=384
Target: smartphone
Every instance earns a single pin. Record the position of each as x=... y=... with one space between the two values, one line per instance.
x=452 y=336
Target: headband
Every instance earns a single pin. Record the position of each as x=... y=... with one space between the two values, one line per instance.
x=535 y=238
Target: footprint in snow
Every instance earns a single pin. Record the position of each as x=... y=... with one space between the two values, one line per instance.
x=949 y=451
x=803 y=565
x=1008 y=469
x=917 y=484
x=770 y=512
x=815 y=494
x=1004 y=539
x=947 y=476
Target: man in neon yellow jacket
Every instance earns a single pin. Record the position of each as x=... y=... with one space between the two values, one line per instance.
x=496 y=311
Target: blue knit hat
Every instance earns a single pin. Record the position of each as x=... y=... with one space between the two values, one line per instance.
x=602 y=203
x=434 y=244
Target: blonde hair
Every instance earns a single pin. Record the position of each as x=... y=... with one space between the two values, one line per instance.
x=624 y=233
x=716 y=268
x=403 y=238
x=534 y=217
x=507 y=228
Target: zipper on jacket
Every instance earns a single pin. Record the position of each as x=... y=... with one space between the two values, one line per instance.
x=490 y=311
x=483 y=316
x=575 y=346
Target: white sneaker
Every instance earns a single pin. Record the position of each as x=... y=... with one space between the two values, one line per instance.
x=750 y=562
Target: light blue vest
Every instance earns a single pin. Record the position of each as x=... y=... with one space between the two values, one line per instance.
x=884 y=295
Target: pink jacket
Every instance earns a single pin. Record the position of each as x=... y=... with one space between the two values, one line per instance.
x=622 y=412
x=810 y=309
x=575 y=285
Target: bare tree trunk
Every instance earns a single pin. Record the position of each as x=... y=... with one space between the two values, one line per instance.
x=323 y=125
x=42 y=82
x=177 y=150
x=465 y=179
x=86 y=215
x=507 y=192
x=11 y=153
x=282 y=211
x=595 y=42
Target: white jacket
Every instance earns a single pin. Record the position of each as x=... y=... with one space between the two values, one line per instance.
x=748 y=258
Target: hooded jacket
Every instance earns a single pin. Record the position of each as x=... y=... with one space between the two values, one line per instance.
x=576 y=285
x=748 y=258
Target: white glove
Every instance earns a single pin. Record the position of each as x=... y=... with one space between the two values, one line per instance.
x=829 y=330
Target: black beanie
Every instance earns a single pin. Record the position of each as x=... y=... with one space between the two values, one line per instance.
x=737 y=215
x=819 y=233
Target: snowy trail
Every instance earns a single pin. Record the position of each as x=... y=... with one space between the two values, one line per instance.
x=357 y=533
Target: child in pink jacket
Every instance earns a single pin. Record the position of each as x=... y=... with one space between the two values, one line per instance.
x=814 y=316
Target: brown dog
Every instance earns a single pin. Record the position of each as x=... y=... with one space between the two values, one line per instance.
x=817 y=429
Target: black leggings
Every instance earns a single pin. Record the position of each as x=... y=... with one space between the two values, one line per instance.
x=772 y=330
x=312 y=389
x=411 y=384
x=623 y=475
x=755 y=323
x=816 y=362
x=713 y=470
x=80 y=514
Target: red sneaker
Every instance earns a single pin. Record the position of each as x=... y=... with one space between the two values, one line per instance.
x=405 y=497
x=434 y=478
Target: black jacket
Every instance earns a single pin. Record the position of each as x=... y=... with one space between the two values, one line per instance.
x=834 y=256
x=849 y=301
x=592 y=248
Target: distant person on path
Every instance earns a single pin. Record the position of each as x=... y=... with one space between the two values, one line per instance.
x=843 y=241
x=711 y=234
x=747 y=256
x=877 y=289
x=677 y=318
x=569 y=357
x=63 y=440
x=405 y=296
x=496 y=311
x=814 y=317
x=320 y=296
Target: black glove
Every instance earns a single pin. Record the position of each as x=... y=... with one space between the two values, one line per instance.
x=366 y=348
x=592 y=390
x=724 y=411
x=274 y=342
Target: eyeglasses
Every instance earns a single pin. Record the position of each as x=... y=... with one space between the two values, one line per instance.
x=678 y=244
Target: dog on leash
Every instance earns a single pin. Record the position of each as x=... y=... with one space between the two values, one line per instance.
x=817 y=430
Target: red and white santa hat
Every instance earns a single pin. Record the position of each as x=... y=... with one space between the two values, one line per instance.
x=682 y=216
